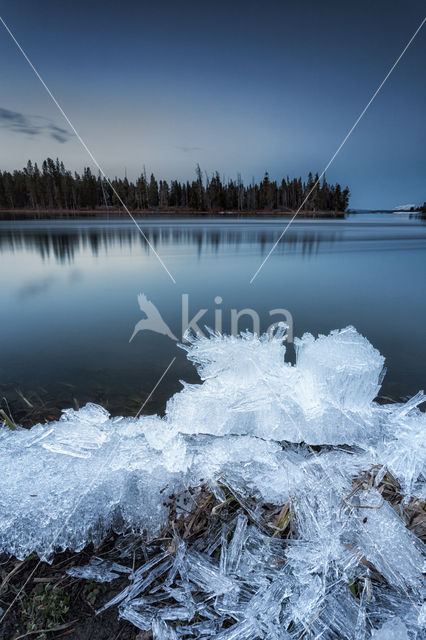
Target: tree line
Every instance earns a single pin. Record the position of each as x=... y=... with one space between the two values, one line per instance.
x=54 y=187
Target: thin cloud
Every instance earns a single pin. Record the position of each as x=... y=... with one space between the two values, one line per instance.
x=189 y=149
x=32 y=125
x=58 y=133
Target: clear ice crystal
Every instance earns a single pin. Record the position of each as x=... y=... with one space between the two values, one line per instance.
x=284 y=435
x=98 y=570
x=393 y=629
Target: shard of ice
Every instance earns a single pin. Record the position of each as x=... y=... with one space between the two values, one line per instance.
x=300 y=436
x=393 y=629
x=99 y=570
x=249 y=388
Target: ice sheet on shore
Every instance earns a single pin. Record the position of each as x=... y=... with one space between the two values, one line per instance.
x=252 y=422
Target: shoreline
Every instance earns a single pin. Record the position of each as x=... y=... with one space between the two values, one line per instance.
x=45 y=214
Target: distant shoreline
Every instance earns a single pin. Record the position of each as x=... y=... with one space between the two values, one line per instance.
x=45 y=214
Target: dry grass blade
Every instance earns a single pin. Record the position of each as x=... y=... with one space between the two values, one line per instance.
x=311 y=623
x=7 y=420
x=282 y=520
x=11 y=574
x=61 y=627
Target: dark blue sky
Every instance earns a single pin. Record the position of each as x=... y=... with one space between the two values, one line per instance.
x=236 y=86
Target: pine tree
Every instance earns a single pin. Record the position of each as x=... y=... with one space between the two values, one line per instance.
x=55 y=187
x=153 y=192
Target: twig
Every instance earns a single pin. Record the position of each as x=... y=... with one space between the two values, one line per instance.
x=9 y=575
x=60 y=628
x=360 y=506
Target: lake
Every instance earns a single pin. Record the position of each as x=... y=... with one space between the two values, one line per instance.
x=69 y=298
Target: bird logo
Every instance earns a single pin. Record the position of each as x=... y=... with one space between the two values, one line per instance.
x=153 y=320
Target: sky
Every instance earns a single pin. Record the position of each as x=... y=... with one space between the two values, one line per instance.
x=238 y=87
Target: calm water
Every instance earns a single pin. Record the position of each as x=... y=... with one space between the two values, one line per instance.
x=69 y=297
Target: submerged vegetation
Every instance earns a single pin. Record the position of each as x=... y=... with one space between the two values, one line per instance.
x=55 y=187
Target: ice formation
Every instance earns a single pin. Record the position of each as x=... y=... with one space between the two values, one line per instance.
x=301 y=434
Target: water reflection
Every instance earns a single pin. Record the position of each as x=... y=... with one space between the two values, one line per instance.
x=69 y=297
x=307 y=238
x=51 y=242
x=35 y=287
